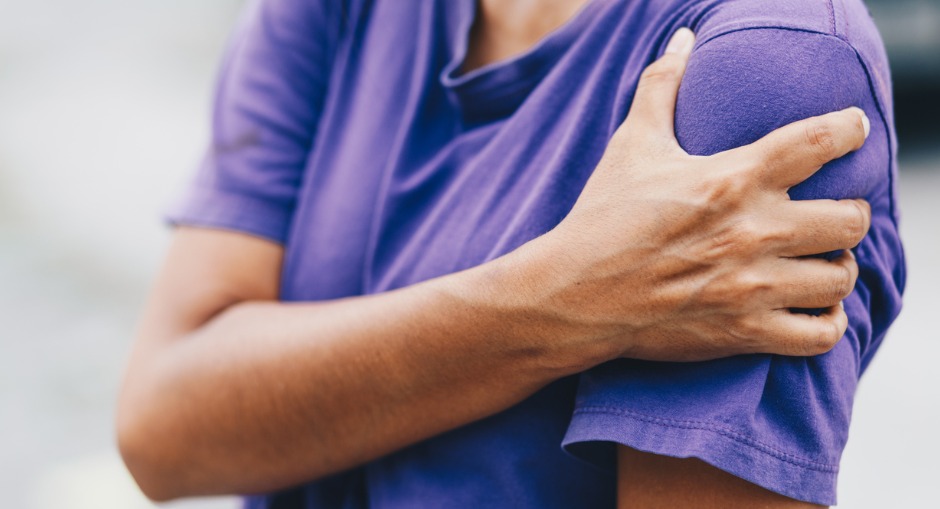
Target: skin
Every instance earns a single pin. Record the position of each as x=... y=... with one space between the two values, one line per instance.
x=649 y=481
x=505 y=29
x=665 y=256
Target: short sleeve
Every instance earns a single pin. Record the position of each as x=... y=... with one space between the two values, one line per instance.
x=268 y=101
x=780 y=422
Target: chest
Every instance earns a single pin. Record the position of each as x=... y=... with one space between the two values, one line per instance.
x=418 y=171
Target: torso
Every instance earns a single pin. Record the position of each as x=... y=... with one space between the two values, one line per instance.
x=440 y=148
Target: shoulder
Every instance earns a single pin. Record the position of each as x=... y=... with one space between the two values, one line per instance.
x=294 y=25
x=830 y=25
x=772 y=74
x=759 y=65
x=846 y=19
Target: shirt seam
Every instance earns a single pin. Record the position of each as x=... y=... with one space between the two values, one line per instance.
x=708 y=426
x=241 y=194
x=832 y=17
x=238 y=210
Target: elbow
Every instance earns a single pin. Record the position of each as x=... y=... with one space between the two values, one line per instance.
x=149 y=477
x=147 y=454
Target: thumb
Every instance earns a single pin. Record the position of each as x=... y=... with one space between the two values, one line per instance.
x=654 y=104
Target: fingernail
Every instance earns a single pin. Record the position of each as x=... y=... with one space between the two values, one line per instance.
x=866 y=124
x=681 y=41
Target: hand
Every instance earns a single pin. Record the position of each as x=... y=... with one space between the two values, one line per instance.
x=668 y=256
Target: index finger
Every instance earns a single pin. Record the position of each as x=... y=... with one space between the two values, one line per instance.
x=794 y=152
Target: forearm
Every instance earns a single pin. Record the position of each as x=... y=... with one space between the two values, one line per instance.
x=230 y=391
x=269 y=394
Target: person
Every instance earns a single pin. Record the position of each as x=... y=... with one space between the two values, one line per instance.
x=555 y=253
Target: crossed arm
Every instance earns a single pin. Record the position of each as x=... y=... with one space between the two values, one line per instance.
x=229 y=390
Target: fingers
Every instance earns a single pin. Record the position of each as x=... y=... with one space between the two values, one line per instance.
x=794 y=152
x=654 y=104
x=801 y=334
x=808 y=284
x=820 y=226
x=814 y=283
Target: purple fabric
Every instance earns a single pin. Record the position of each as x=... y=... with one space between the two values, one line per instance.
x=348 y=135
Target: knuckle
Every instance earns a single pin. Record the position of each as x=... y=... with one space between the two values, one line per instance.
x=816 y=342
x=817 y=345
x=744 y=331
x=846 y=282
x=729 y=244
x=727 y=189
x=717 y=295
x=828 y=337
x=784 y=235
x=747 y=236
x=754 y=287
x=820 y=136
x=794 y=344
x=841 y=285
x=662 y=70
x=740 y=291
x=767 y=160
x=856 y=226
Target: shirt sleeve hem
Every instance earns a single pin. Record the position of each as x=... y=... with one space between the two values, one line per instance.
x=595 y=430
x=229 y=210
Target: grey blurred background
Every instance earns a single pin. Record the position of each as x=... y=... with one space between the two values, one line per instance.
x=103 y=114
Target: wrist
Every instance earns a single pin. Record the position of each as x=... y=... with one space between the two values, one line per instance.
x=521 y=293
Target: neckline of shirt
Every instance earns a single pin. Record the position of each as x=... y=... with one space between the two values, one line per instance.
x=496 y=89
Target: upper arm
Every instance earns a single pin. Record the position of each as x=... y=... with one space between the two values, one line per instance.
x=237 y=211
x=238 y=208
x=650 y=481
x=780 y=423
x=268 y=102
x=741 y=85
x=205 y=272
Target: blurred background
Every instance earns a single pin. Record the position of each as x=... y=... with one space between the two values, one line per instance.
x=103 y=115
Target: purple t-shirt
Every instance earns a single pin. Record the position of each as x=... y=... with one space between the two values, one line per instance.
x=346 y=132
